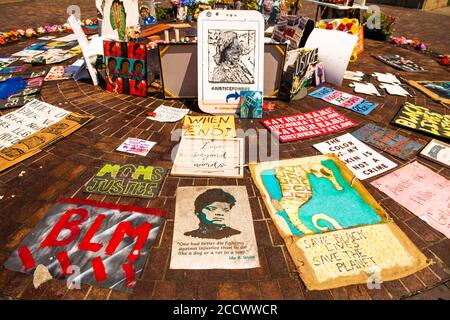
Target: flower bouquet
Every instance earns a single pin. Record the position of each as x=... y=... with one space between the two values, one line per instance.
x=378 y=31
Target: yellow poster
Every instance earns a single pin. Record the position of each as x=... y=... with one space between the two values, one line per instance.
x=209 y=126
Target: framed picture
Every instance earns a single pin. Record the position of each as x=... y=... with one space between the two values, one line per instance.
x=178 y=63
x=125 y=67
x=231 y=51
x=223 y=158
x=438 y=152
x=436 y=90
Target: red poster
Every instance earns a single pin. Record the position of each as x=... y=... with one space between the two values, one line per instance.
x=307 y=125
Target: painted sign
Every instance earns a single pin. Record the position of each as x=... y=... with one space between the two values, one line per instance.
x=388 y=140
x=344 y=100
x=209 y=157
x=90 y=242
x=363 y=161
x=213 y=229
x=209 y=126
x=401 y=63
x=423 y=120
x=127 y=180
x=307 y=125
x=421 y=191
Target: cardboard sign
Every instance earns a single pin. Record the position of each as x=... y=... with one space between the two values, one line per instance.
x=136 y=146
x=344 y=100
x=363 y=161
x=209 y=157
x=125 y=67
x=438 y=152
x=213 y=229
x=127 y=180
x=325 y=217
x=423 y=120
x=90 y=242
x=307 y=125
x=34 y=116
x=360 y=254
x=35 y=143
x=388 y=140
x=209 y=126
x=401 y=63
x=298 y=72
x=422 y=192
x=168 y=114
x=17 y=101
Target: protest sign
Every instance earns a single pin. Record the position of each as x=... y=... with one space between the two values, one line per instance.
x=136 y=146
x=209 y=126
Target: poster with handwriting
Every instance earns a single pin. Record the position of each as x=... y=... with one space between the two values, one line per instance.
x=29 y=119
x=421 y=191
x=363 y=161
x=209 y=126
x=308 y=125
x=127 y=180
x=209 y=157
x=424 y=121
x=213 y=229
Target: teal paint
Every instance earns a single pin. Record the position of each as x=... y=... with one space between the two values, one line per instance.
x=346 y=206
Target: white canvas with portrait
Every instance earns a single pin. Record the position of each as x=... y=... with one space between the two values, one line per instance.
x=213 y=229
x=123 y=12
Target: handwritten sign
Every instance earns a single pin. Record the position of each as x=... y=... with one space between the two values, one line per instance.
x=209 y=157
x=423 y=120
x=363 y=161
x=344 y=100
x=90 y=242
x=388 y=140
x=136 y=146
x=213 y=229
x=127 y=180
x=421 y=191
x=357 y=253
x=168 y=114
x=307 y=125
x=29 y=119
x=209 y=126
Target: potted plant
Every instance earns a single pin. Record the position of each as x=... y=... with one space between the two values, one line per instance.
x=380 y=32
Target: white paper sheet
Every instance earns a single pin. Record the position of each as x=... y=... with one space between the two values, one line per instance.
x=335 y=50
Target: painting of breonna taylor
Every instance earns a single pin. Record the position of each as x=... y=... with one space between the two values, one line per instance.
x=213 y=229
x=231 y=56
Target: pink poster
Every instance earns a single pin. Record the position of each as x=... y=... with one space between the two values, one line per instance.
x=421 y=191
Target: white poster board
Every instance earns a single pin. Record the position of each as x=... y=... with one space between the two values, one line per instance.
x=209 y=157
x=363 y=161
x=213 y=229
x=231 y=58
x=335 y=49
x=84 y=44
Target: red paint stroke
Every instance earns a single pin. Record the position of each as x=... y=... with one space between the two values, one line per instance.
x=99 y=269
x=65 y=223
x=64 y=262
x=130 y=274
x=126 y=228
x=113 y=206
x=26 y=257
x=86 y=243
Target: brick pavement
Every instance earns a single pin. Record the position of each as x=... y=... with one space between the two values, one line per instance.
x=64 y=168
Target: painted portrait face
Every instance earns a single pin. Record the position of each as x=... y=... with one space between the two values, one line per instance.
x=215 y=213
x=112 y=65
x=137 y=68
x=125 y=66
